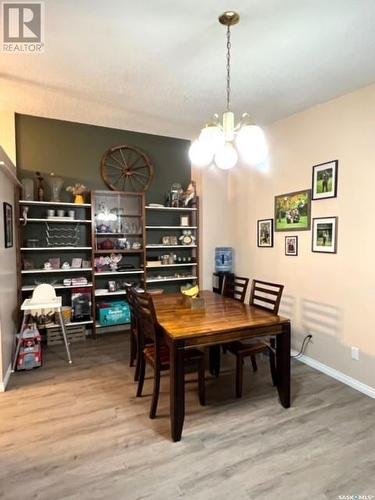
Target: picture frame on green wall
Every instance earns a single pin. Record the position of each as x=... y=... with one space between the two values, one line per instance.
x=8 y=224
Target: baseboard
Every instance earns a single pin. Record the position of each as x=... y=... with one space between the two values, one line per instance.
x=4 y=383
x=331 y=372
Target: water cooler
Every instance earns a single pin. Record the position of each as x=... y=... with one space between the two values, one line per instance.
x=223 y=268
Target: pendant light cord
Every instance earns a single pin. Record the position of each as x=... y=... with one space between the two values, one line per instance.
x=228 y=67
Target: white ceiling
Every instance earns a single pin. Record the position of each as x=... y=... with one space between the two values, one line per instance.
x=159 y=66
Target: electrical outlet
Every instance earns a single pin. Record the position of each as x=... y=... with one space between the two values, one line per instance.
x=355 y=353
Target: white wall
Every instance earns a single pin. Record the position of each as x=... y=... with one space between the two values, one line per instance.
x=215 y=218
x=8 y=276
x=330 y=296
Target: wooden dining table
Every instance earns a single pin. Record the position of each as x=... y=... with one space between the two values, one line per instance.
x=220 y=321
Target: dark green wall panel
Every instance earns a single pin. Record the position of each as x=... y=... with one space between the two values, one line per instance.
x=74 y=150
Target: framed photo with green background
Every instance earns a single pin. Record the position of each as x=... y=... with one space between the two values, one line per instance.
x=265 y=233
x=324 y=180
x=324 y=234
x=293 y=211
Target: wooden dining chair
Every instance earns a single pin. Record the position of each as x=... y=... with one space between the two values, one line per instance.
x=156 y=353
x=266 y=296
x=133 y=327
x=235 y=288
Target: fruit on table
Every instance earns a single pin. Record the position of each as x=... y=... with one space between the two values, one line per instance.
x=192 y=292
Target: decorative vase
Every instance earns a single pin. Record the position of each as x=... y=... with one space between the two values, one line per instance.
x=55 y=185
x=78 y=199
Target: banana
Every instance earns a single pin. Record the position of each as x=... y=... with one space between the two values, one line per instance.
x=192 y=292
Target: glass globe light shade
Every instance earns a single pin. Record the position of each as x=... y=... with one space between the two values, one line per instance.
x=226 y=157
x=212 y=137
x=251 y=144
x=200 y=155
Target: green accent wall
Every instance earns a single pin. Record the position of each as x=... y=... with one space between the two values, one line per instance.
x=74 y=150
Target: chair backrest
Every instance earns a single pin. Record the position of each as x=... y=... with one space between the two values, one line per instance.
x=266 y=295
x=130 y=298
x=235 y=288
x=146 y=319
x=43 y=293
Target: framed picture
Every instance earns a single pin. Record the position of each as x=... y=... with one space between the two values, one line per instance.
x=166 y=240
x=291 y=245
x=265 y=233
x=324 y=180
x=8 y=224
x=184 y=220
x=76 y=263
x=293 y=211
x=324 y=237
x=55 y=262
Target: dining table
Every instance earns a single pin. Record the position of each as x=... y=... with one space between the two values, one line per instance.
x=218 y=321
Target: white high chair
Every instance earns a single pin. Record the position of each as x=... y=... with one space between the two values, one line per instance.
x=44 y=297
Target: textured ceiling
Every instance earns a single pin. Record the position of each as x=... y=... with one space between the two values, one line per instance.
x=159 y=66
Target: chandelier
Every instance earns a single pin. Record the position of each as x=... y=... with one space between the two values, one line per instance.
x=223 y=142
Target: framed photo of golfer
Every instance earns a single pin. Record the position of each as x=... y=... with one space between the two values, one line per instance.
x=291 y=245
x=293 y=211
x=324 y=234
x=324 y=180
x=265 y=233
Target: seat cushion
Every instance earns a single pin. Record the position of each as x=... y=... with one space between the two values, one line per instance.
x=190 y=355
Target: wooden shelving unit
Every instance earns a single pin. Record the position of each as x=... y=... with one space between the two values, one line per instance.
x=34 y=226
x=128 y=222
x=134 y=221
x=165 y=221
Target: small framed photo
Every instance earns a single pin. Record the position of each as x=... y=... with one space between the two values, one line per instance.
x=265 y=233
x=86 y=264
x=55 y=262
x=324 y=180
x=324 y=234
x=8 y=224
x=184 y=220
x=76 y=263
x=166 y=240
x=291 y=245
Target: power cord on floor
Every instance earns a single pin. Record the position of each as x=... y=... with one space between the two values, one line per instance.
x=305 y=343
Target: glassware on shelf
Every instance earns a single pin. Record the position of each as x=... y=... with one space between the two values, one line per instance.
x=27 y=189
x=56 y=184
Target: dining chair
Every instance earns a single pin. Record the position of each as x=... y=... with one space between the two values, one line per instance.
x=235 y=288
x=133 y=326
x=156 y=353
x=266 y=296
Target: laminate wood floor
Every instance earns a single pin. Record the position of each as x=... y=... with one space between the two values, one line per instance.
x=79 y=432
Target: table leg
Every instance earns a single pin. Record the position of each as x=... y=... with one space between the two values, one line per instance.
x=62 y=324
x=214 y=359
x=177 y=390
x=283 y=365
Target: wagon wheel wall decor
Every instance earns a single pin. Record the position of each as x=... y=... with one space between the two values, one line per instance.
x=125 y=168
